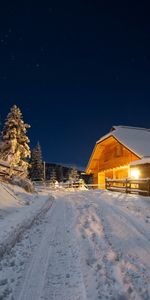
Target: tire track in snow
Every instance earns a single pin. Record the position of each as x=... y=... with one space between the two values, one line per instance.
x=132 y=246
x=104 y=261
x=98 y=258
x=64 y=281
x=54 y=271
x=15 y=235
x=34 y=278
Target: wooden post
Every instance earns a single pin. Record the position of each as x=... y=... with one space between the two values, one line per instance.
x=126 y=186
x=148 y=189
x=129 y=186
x=106 y=183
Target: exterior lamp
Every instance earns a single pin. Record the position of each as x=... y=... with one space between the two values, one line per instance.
x=135 y=173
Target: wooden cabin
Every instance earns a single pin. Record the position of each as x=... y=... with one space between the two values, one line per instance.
x=114 y=152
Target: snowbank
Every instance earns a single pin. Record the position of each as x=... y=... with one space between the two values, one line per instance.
x=18 y=210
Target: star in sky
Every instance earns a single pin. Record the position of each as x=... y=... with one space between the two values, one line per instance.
x=5 y=37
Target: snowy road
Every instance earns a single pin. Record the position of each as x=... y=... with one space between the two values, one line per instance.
x=89 y=245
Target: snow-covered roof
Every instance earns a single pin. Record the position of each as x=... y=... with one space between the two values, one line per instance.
x=134 y=138
x=143 y=161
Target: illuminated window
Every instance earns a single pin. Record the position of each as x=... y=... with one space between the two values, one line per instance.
x=135 y=173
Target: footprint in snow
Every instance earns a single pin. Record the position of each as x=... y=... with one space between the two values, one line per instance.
x=93 y=236
x=3 y=281
x=86 y=224
x=121 y=297
x=93 y=219
x=83 y=236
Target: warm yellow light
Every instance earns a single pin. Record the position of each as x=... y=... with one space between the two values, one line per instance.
x=135 y=173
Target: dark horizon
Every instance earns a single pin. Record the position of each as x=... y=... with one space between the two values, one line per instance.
x=75 y=70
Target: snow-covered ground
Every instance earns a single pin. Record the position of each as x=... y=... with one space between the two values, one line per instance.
x=18 y=209
x=84 y=245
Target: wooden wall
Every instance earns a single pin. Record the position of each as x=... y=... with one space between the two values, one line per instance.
x=115 y=155
x=110 y=154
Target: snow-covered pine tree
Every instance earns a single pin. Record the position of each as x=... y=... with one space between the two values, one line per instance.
x=36 y=166
x=73 y=174
x=15 y=149
x=53 y=177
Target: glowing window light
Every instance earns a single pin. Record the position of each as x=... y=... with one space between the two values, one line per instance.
x=135 y=173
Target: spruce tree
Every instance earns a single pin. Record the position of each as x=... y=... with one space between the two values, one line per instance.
x=15 y=148
x=53 y=177
x=36 y=165
x=73 y=174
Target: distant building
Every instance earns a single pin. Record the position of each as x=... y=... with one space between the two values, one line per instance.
x=123 y=152
x=62 y=171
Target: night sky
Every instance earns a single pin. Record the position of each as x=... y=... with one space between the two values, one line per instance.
x=75 y=68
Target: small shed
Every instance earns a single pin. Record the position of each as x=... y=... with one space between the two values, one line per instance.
x=121 y=154
x=141 y=166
